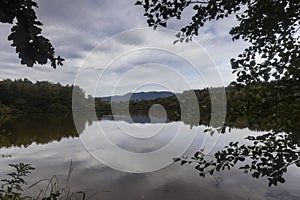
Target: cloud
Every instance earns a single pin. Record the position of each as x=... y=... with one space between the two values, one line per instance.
x=79 y=30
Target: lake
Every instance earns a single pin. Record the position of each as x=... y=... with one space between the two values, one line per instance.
x=131 y=158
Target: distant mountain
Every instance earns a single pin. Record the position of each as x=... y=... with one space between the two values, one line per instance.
x=139 y=96
x=142 y=119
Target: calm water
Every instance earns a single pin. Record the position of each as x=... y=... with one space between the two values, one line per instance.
x=50 y=143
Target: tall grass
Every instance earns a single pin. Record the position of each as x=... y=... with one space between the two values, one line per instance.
x=13 y=187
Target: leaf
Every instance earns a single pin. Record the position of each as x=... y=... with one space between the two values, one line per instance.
x=183 y=162
x=252 y=63
x=138 y=3
x=175 y=41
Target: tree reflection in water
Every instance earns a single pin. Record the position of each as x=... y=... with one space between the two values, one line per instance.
x=273 y=107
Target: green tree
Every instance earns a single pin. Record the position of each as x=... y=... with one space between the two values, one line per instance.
x=271 y=27
x=23 y=96
x=25 y=35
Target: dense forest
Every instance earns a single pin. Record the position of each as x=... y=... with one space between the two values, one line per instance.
x=23 y=96
x=259 y=106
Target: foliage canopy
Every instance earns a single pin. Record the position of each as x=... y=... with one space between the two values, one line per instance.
x=270 y=26
x=25 y=35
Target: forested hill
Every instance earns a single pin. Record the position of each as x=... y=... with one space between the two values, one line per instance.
x=139 y=96
x=23 y=96
x=260 y=106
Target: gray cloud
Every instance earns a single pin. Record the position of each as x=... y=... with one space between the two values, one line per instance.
x=78 y=27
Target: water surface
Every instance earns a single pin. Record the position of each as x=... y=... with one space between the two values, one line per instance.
x=51 y=143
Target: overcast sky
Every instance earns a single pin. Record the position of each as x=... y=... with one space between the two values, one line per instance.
x=109 y=50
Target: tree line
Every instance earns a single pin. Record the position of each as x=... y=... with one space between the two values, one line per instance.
x=258 y=106
x=23 y=96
